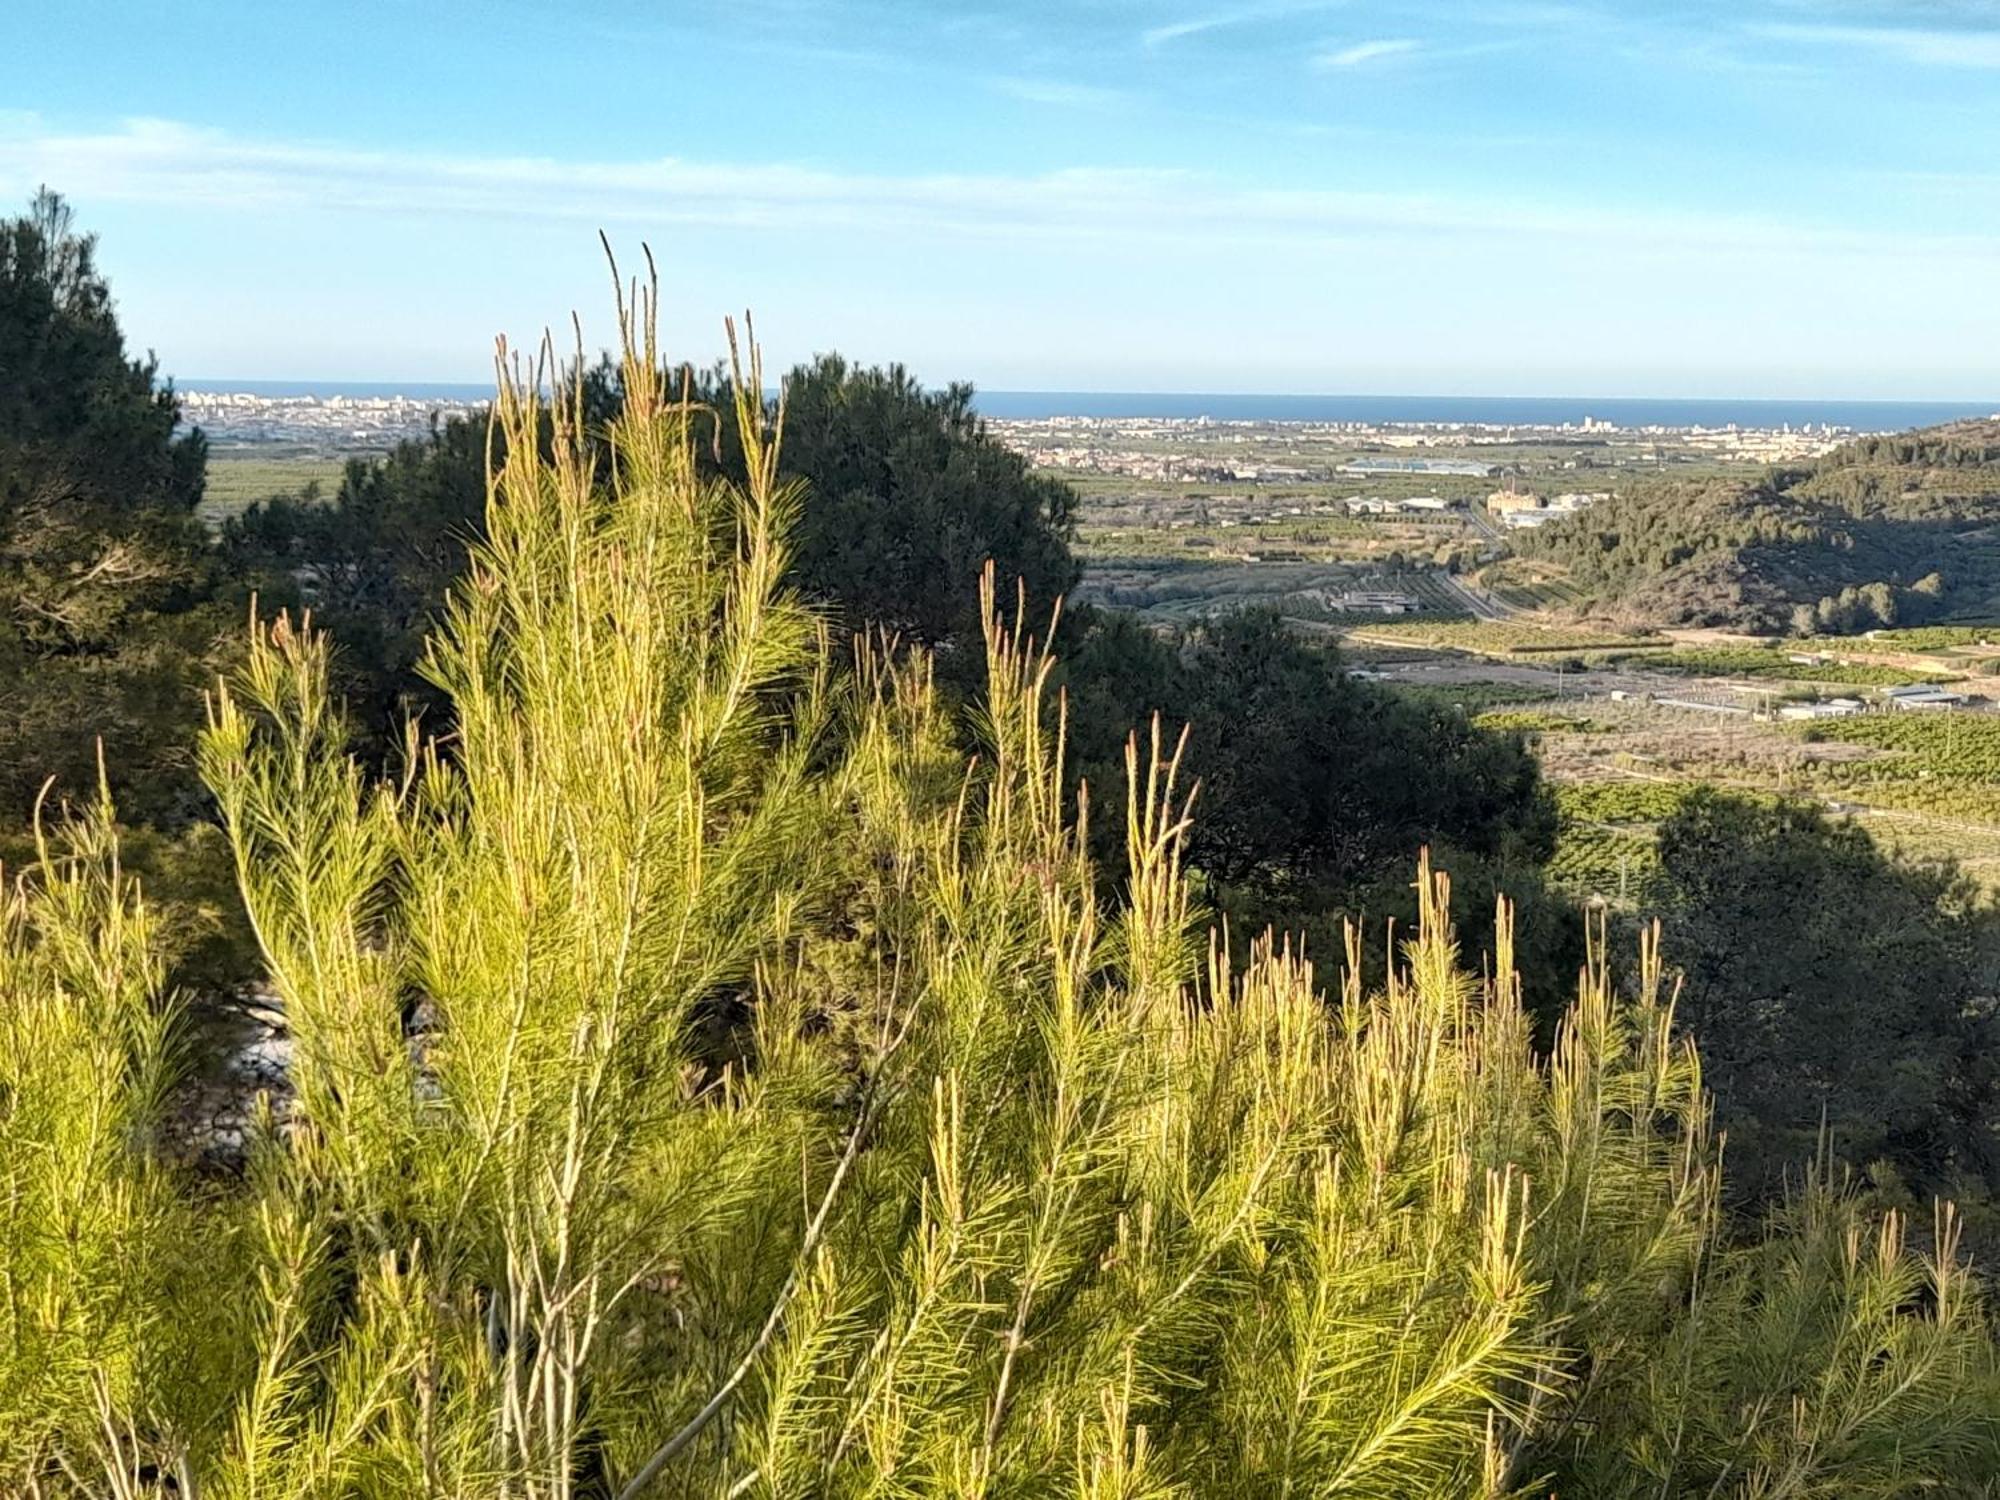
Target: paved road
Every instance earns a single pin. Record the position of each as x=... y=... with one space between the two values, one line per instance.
x=1483 y=523
x=1483 y=606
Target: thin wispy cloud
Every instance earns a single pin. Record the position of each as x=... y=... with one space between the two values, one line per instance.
x=166 y=162
x=1933 y=47
x=1360 y=54
x=1223 y=20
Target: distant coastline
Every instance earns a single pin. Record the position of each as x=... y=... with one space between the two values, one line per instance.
x=1498 y=411
x=1503 y=411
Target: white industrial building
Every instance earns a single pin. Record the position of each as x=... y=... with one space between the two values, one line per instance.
x=1923 y=697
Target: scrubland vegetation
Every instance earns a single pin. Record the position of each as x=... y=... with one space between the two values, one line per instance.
x=736 y=1048
x=1880 y=533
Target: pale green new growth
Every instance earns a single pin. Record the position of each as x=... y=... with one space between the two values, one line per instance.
x=706 y=1083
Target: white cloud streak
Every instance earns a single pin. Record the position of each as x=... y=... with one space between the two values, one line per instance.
x=1138 y=210
x=1362 y=53
x=1222 y=20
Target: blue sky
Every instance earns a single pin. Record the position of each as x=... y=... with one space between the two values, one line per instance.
x=1754 y=198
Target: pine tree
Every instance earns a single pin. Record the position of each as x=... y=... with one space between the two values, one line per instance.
x=108 y=595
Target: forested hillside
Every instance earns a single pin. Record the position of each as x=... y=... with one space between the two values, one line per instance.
x=1884 y=531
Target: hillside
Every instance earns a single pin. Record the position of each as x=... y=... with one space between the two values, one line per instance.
x=1883 y=531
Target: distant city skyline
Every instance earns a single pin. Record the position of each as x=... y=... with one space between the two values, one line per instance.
x=1761 y=199
x=229 y=409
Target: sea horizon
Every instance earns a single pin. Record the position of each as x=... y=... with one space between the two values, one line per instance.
x=1864 y=415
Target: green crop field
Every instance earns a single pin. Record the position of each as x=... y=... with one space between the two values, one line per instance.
x=1950 y=745
x=1550 y=593
x=1776 y=665
x=236 y=482
x=1622 y=801
x=1507 y=637
x=1605 y=837
x=1533 y=721
x=1609 y=864
x=1944 y=766
x=1182 y=590
x=1919 y=638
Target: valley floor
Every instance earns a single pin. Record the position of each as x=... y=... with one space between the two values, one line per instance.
x=1625 y=734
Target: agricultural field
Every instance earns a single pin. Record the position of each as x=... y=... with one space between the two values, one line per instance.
x=1475 y=698
x=238 y=479
x=1945 y=746
x=1520 y=584
x=1179 y=517
x=1605 y=837
x=1308 y=537
x=1775 y=664
x=1505 y=638
x=1918 y=638
x=1944 y=766
x=1177 y=591
x=1624 y=802
x=1927 y=785
x=1533 y=721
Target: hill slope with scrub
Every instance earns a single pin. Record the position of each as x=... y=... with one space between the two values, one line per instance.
x=1883 y=531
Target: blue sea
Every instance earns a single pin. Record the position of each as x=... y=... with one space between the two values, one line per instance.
x=1505 y=411
x=1519 y=411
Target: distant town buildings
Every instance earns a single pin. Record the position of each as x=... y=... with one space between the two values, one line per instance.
x=1382 y=467
x=1166 y=449
x=1521 y=509
x=1377 y=505
x=337 y=424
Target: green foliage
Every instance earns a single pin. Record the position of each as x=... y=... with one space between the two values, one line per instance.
x=911 y=498
x=704 y=1082
x=1605 y=862
x=1531 y=721
x=1833 y=987
x=1605 y=838
x=1509 y=638
x=1633 y=801
x=1925 y=638
x=1940 y=744
x=115 y=612
x=1776 y=664
x=110 y=609
x=1946 y=765
x=1316 y=785
x=108 y=1298
x=374 y=561
x=1881 y=533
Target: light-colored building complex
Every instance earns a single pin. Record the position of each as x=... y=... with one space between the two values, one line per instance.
x=1923 y=698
